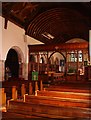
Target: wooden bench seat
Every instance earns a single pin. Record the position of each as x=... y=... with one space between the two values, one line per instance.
x=63 y=102
x=85 y=96
x=46 y=110
x=68 y=89
x=54 y=104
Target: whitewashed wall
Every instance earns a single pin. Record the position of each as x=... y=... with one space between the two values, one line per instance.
x=0 y=38
x=11 y=37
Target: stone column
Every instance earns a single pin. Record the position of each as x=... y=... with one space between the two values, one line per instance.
x=2 y=71
x=25 y=71
x=24 y=63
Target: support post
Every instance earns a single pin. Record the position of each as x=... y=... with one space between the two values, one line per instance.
x=36 y=88
x=14 y=92
x=3 y=97
x=23 y=90
x=30 y=88
x=77 y=72
x=66 y=65
x=41 y=85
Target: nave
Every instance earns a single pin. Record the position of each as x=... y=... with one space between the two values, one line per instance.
x=45 y=60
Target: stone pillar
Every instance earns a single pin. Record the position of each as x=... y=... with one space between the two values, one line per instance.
x=25 y=71
x=2 y=71
x=26 y=58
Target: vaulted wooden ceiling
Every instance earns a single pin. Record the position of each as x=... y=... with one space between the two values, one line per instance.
x=40 y=20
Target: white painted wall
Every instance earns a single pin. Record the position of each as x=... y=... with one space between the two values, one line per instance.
x=12 y=36
x=0 y=38
x=15 y=36
x=32 y=41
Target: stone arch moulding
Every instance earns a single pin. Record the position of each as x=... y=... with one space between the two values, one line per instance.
x=19 y=52
x=20 y=59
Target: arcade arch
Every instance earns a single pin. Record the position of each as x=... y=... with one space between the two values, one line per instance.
x=14 y=63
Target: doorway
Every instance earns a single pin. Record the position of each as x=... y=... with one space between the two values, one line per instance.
x=12 y=64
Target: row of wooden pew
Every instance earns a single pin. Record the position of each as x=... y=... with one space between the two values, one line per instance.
x=17 y=89
x=53 y=104
x=60 y=102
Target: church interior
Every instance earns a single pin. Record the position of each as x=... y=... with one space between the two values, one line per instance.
x=45 y=60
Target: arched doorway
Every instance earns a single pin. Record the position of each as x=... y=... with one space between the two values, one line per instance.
x=58 y=62
x=12 y=64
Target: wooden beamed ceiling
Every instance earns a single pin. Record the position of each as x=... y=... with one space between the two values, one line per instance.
x=63 y=20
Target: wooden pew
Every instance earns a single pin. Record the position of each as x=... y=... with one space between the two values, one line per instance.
x=63 y=102
x=18 y=83
x=47 y=110
x=3 y=97
x=14 y=92
x=74 y=95
x=69 y=89
x=52 y=105
x=23 y=90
